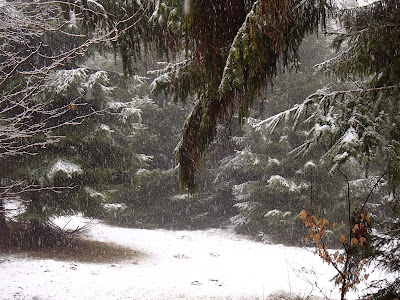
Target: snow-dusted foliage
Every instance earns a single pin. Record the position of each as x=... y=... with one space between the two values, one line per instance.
x=62 y=80
x=357 y=129
x=268 y=190
x=94 y=194
x=349 y=121
x=72 y=19
x=126 y=110
x=97 y=80
x=164 y=14
x=242 y=193
x=386 y=243
x=80 y=82
x=370 y=183
x=278 y=182
x=115 y=206
x=144 y=158
x=168 y=74
x=96 y=6
x=244 y=158
x=63 y=166
x=94 y=157
x=233 y=74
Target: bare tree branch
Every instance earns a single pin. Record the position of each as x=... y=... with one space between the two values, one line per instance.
x=30 y=118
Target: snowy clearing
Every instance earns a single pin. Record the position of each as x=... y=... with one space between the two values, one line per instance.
x=211 y=264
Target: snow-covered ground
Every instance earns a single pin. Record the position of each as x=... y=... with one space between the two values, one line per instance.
x=210 y=264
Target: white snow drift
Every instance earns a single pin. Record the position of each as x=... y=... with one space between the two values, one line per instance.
x=211 y=264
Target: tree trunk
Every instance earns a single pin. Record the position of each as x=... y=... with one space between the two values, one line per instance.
x=3 y=225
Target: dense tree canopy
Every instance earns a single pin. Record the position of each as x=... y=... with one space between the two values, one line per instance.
x=226 y=52
x=361 y=124
x=222 y=56
x=44 y=96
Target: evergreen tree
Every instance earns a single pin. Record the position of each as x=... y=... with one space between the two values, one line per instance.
x=92 y=159
x=151 y=201
x=26 y=58
x=227 y=52
x=230 y=51
x=274 y=185
x=154 y=199
x=361 y=124
x=234 y=50
x=45 y=97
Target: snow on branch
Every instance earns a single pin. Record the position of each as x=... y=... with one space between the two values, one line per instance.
x=331 y=65
x=129 y=111
x=229 y=68
x=62 y=80
x=349 y=122
x=63 y=166
x=33 y=70
x=296 y=112
x=166 y=75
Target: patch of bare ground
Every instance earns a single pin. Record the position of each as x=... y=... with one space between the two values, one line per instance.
x=50 y=242
x=282 y=295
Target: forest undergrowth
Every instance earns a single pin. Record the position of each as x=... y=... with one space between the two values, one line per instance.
x=52 y=242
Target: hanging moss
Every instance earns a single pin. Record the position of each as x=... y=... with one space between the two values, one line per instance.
x=233 y=48
x=264 y=36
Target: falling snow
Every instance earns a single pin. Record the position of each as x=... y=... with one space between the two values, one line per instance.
x=210 y=264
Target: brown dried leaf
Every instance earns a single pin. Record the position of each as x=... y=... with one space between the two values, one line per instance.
x=368 y=217
x=317 y=237
x=314 y=219
x=303 y=214
x=342 y=238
